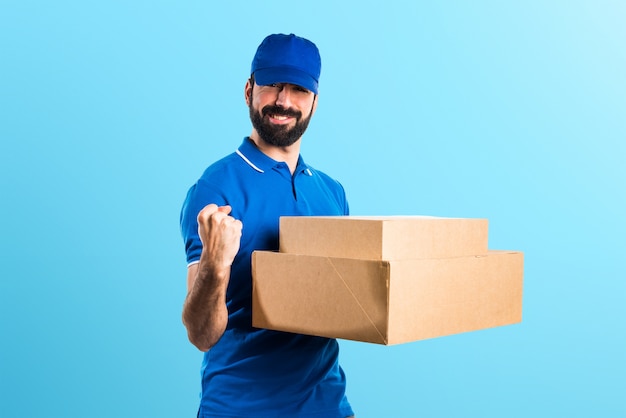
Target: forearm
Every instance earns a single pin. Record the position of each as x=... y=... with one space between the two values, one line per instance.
x=204 y=313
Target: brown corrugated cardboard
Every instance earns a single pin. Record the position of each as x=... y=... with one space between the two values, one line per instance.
x=383 y=237
x=386 y=302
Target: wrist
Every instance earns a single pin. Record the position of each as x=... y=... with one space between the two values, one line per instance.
x=208 y=267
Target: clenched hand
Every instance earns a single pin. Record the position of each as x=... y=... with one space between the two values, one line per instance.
x=220 y=234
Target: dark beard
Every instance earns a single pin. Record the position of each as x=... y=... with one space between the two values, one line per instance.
x=278 y=135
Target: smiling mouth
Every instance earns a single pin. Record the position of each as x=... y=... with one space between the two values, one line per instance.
x=280 y=117
x=277 y=114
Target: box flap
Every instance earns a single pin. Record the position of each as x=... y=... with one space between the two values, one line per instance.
x=338 y=297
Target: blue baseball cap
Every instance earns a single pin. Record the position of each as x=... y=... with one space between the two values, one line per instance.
x=287 y=59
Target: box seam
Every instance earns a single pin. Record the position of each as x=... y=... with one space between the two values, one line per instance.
x=382 y=337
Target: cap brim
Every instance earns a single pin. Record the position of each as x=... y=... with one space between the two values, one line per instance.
x=266 y=76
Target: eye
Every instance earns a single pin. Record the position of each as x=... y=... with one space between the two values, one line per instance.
x=302 y=89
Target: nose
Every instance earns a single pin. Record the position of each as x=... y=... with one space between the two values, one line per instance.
x=284 y=97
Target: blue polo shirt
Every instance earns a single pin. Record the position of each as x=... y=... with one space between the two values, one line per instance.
x=254 y=372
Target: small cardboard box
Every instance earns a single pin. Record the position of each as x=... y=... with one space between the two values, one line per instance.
x=386 y=302
x=384 y=237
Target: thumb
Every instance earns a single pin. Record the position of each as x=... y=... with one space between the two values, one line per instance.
x=226 y=209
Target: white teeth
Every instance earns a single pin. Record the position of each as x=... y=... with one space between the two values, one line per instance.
x=279 y=117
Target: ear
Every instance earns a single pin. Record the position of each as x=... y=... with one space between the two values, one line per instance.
x=247 y=91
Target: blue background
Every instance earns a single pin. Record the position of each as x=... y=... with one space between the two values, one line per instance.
x=511 y=111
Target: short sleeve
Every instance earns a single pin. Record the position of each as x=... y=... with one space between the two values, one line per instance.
x=198 y=196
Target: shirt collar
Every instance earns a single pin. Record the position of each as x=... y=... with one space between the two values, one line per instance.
x=261 y=162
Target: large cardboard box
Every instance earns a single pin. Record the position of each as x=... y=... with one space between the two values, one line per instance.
x=383 y=237
x=386 y=301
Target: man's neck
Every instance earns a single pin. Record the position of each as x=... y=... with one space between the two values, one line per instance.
x=288 y=155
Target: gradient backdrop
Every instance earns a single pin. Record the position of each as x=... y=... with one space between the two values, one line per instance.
x=512 y=111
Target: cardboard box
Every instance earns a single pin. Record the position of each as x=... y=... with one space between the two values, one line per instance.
x=383 y=238
x=386 y=302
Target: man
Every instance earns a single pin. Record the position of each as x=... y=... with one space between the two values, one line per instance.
x=233 y=210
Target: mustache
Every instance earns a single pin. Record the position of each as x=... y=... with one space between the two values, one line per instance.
x=280 y=111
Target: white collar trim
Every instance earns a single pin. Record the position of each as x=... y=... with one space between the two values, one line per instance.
x=249 y=162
